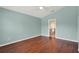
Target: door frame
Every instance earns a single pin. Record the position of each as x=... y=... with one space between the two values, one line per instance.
x=53 y=19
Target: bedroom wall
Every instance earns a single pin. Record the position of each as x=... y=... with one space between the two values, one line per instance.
x=66 y=21
x=78 y=25
x=78 y=29
x=16 y=26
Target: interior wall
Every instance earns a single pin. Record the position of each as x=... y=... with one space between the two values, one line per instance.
x=78 y=25
x=16 y=26
x=66 y=21
x=78 y=29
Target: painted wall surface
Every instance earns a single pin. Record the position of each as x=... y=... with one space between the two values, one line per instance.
x=78 y=25
x=15 y=26
x=66 y=21
x=78 y=29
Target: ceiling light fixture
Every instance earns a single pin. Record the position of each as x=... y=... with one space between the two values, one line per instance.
x=41 y=8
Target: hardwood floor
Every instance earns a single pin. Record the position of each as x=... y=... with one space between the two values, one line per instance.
x=41 y=44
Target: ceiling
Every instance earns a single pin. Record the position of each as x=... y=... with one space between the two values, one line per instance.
x=35 y=10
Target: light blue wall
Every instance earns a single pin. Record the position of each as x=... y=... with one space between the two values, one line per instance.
x=78 y=25
x=78 y=29
x=66 y=20
x=15 y=26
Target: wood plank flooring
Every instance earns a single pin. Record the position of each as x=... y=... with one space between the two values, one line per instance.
x=41 y=44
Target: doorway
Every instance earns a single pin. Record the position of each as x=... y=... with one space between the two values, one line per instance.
x=52 y=28
x=51 y=33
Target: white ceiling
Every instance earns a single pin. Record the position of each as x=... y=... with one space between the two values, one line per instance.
x=34 y=10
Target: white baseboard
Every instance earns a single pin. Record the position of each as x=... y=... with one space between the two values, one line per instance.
x=70 y=40
x=19 y=40
x=64 y=38
x=67 y=39
x=33 y=37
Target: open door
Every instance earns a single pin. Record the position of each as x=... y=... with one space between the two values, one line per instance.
x=52 y=31
x=52 y=28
